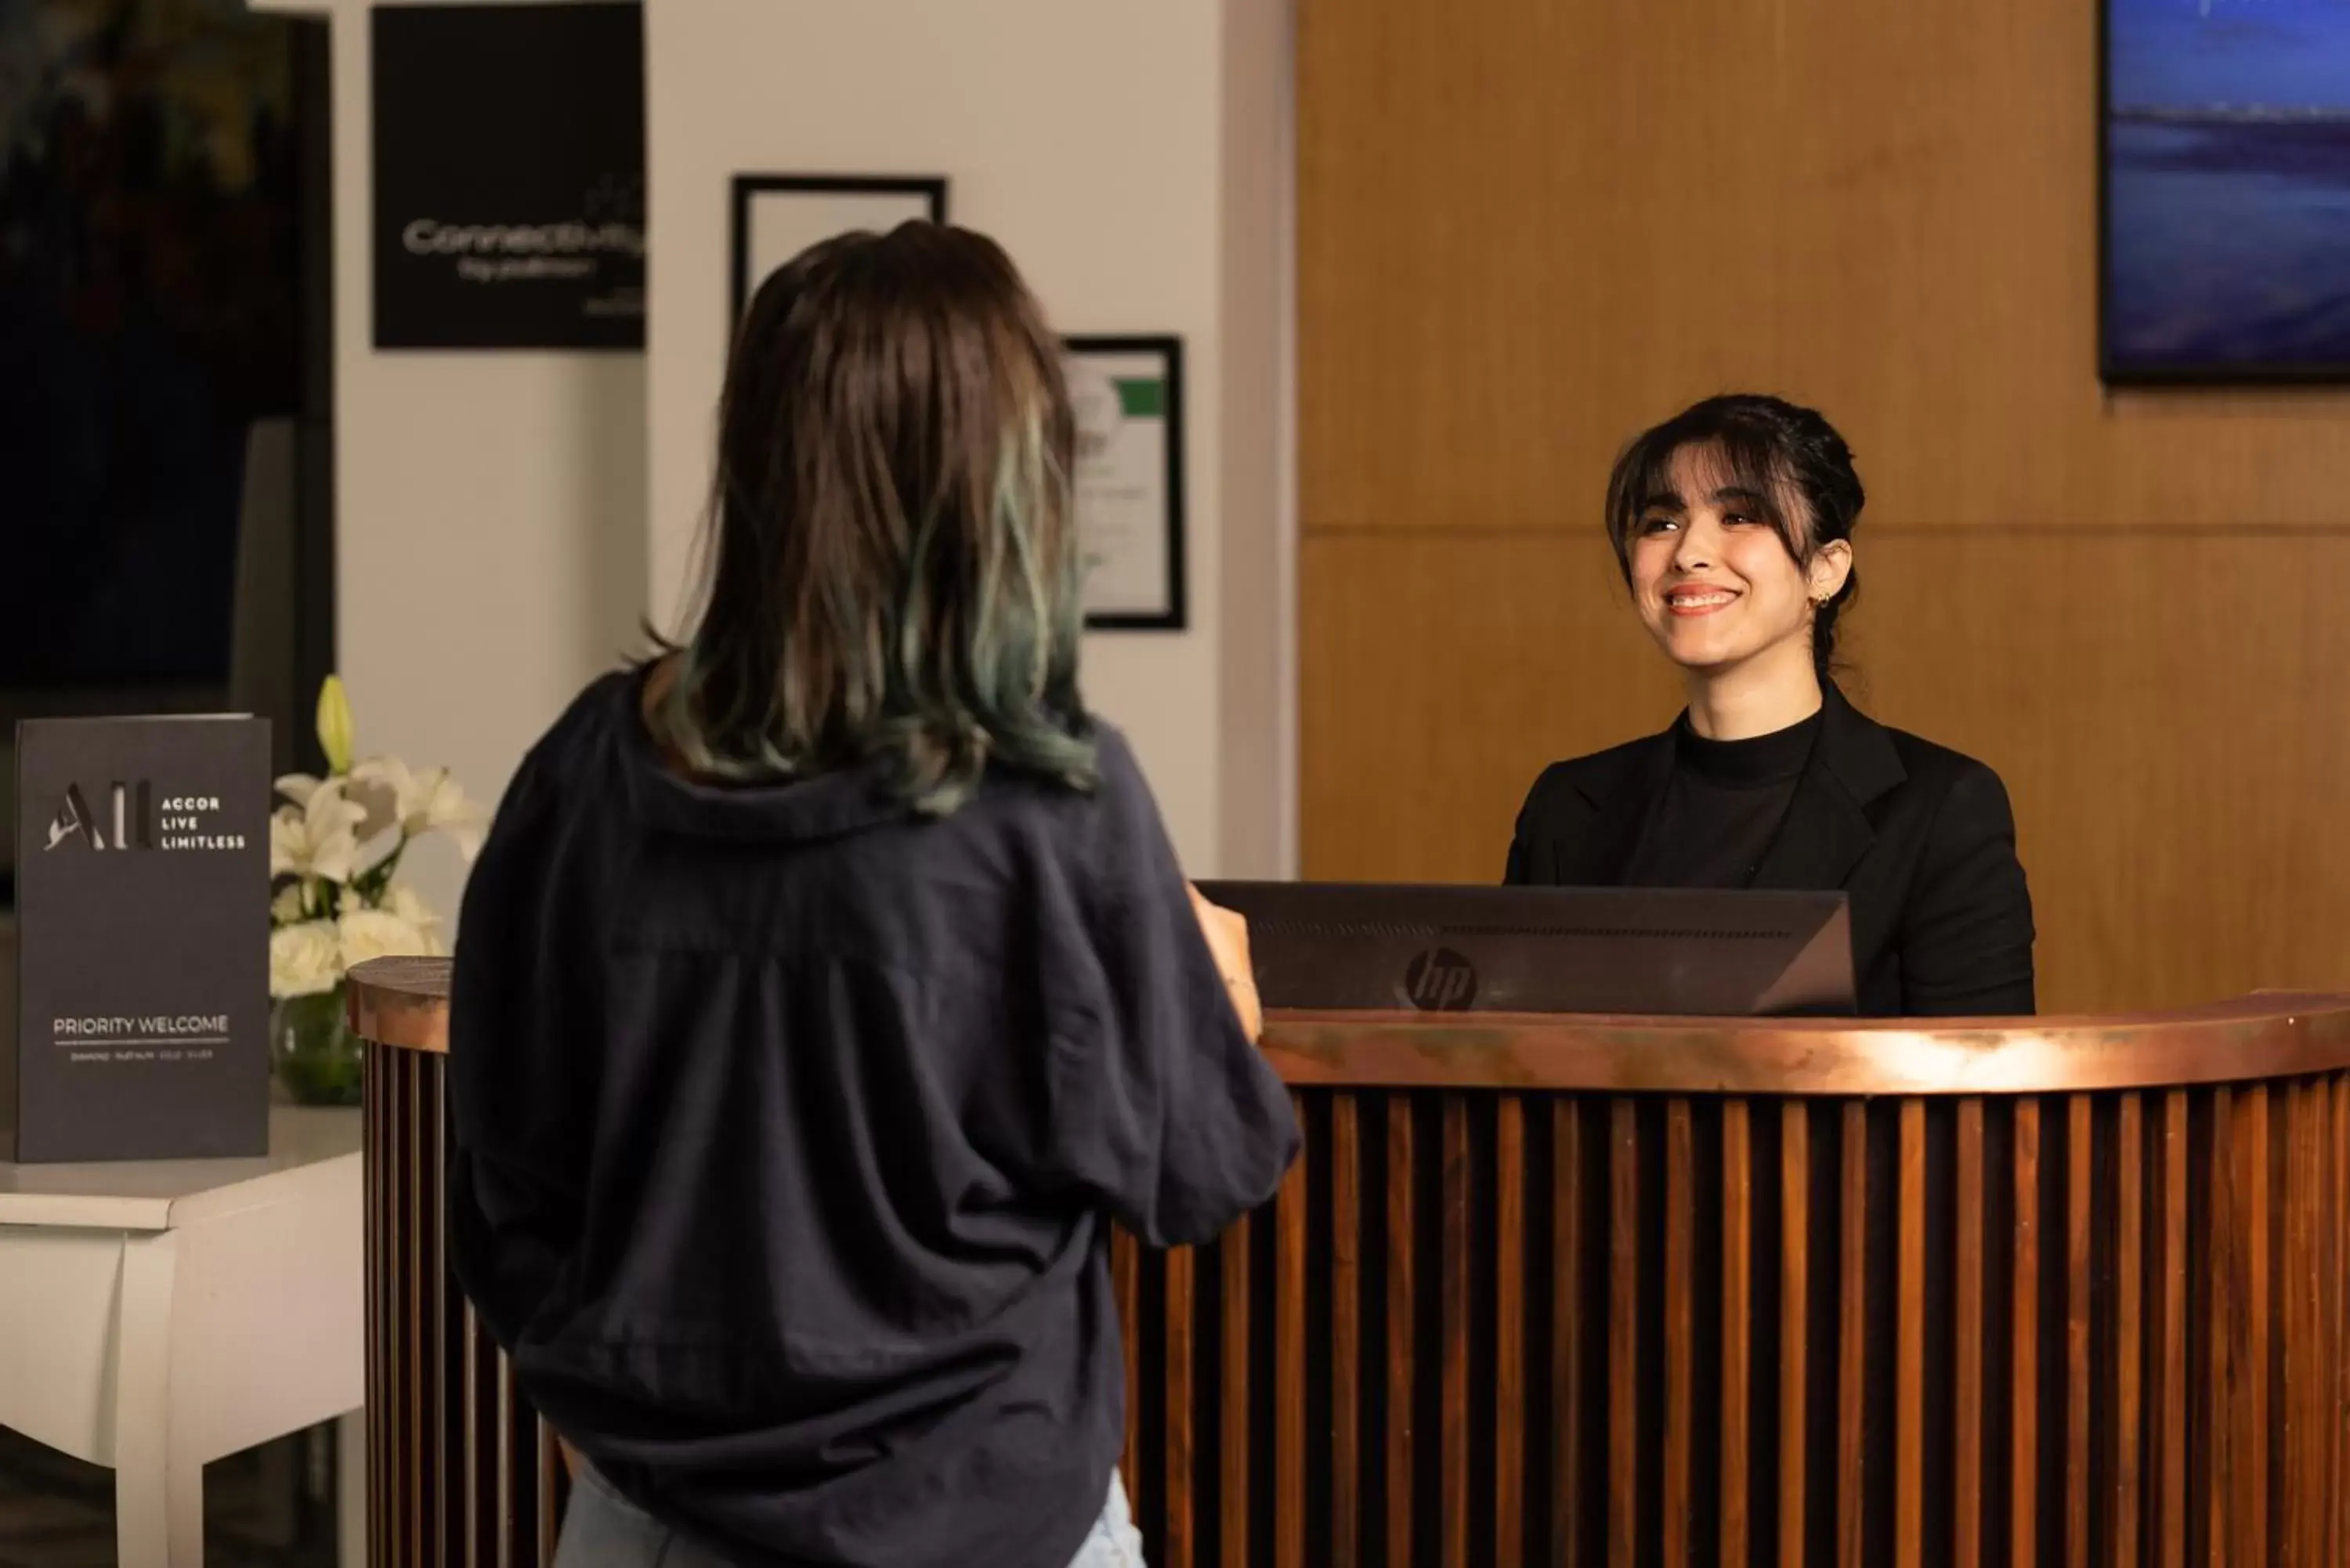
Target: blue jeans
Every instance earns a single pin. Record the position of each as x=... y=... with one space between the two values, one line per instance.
x=602 y=1529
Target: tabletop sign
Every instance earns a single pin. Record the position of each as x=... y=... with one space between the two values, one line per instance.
x=143 y=941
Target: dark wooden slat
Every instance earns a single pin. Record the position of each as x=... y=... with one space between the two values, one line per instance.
x=2318 y=1353
x=1567 y=1331
x=1852 y=1338
x=2023 y=1385
x=2314 y=1472
x=2128 y=1375
x=2079 y=1198
x=2212 y=1476
x=1679 y=1329
x=1509 y=1328
x=2253 y=1382
x=1623 y=1335
x=1289 y=1353
x=392 y=1157
x=2318 y=1363
x=1452 y=1375
x=395 y=1304
x=2300 y=1426
x=1794 y=1307
x=1402 y=1308
x=1737 y=1328
x=509 y=1493
x=1181 y=1538
x=443 y=1296
x=1126 y=1282
x=472 y=1415
x=1909 y=1344
x=2337 y=1276
x=1346 y=1326
x=1233 y=1455
x=371 y=1281
x=415 y=1277
x=2338 y=1281
x=1966 y=1343
x=2170 y=1430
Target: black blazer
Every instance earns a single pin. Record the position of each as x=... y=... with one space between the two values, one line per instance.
x=1921 y=837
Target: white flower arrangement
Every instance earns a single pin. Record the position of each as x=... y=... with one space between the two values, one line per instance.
x=335 y=848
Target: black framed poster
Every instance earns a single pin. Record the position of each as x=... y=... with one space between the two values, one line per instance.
x=1127 y=393
x=509 y=160
x=777 y=216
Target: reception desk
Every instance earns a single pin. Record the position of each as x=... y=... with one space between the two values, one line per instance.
x=1622 y=1291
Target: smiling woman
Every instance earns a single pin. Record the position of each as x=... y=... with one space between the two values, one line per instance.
x=1732 y=524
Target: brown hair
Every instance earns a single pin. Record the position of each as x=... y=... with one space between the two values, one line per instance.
x=891 y=569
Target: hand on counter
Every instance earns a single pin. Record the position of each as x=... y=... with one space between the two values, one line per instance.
x=1228 y=941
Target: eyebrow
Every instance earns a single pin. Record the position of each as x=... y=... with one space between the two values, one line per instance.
x=1670 y=500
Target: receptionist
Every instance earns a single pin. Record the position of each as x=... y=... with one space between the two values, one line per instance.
x=1732 y=524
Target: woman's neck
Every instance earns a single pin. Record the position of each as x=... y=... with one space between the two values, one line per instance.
x=1759 y=696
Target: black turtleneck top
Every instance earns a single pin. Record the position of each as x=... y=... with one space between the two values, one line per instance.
x=1722 y=807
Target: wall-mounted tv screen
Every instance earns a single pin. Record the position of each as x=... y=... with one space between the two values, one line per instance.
x=2227 y=191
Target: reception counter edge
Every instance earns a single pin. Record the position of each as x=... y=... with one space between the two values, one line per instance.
x=404 y=1003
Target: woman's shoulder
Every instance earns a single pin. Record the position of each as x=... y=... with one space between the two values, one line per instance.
x=1963 y=791
x=603 y=706
x=1930 y=759
x=563 y=756
x=606 y=706
x=1931 y=763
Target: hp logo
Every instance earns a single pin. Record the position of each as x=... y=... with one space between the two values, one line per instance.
x=1441 y=981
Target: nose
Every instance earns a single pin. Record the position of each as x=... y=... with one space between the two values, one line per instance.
x=1699 y=547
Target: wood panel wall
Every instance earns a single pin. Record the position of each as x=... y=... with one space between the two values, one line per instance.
x=1528 y=228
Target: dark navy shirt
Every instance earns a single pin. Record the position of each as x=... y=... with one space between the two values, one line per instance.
x=788 y=1126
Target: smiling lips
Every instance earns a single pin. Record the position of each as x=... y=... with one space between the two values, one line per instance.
x=1699 y=598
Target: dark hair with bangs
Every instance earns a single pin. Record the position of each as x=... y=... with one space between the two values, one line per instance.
x=1787 y=456
x=891 y=567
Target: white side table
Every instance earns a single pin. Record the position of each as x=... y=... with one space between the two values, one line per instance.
x=157 y=1316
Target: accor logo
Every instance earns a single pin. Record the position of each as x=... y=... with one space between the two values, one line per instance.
x=128 y=817
x=131 y=827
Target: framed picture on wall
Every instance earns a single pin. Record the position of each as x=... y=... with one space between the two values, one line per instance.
x=1128 y=397
x=777 y=216
x=2225 y=183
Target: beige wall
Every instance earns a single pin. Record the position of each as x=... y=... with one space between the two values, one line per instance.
x=1127 y=156
x=489 y=512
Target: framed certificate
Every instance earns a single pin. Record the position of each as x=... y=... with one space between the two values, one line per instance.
x=1128 y=397
x=777 y=216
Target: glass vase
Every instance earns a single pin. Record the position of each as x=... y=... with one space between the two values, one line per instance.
x=314 y=1053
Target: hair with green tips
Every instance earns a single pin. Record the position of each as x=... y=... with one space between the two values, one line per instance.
x=890 y=565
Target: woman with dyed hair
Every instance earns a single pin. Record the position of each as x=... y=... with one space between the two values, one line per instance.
x=828 y=985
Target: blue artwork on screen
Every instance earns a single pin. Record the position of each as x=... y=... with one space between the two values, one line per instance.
x=2227 y=132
